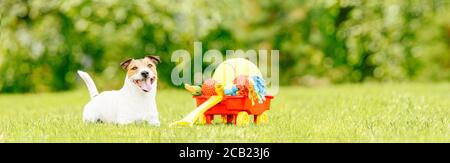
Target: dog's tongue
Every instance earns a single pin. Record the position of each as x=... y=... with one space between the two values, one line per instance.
x=146 y=85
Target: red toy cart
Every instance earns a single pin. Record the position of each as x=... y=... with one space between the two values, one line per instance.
x=236 y=110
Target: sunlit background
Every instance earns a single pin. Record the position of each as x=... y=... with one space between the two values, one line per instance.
x=44 y=42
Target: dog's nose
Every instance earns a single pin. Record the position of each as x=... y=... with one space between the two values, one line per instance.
x=144 y=74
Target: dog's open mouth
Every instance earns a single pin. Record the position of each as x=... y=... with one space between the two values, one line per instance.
x=145 y=84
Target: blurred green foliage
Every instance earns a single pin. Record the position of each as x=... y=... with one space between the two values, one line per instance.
x=44 y=42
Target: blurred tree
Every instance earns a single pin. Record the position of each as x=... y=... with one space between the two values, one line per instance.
x=43 y=43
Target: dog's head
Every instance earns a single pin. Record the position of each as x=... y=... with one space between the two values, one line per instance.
x=142 y=72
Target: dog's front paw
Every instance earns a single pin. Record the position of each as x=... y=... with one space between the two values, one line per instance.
x=154 y=121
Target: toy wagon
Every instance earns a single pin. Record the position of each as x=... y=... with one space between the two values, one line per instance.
x=235 y=91
x=236 y=110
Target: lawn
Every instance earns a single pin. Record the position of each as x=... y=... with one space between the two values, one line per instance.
x=412 y=112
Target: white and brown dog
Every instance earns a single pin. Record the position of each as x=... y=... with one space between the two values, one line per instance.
x=135 y=102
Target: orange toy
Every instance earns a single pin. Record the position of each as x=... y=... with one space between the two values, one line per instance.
x=208 y=88
x=242 y=83
x=251 y=92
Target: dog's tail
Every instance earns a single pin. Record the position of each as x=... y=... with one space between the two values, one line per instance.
x=89 y=83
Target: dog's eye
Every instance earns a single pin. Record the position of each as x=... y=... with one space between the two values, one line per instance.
x=150 y=65
x=133 y=68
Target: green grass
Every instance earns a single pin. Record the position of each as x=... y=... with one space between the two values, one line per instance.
x=344 y=113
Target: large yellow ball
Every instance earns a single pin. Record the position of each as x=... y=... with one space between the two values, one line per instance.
x=231 y=68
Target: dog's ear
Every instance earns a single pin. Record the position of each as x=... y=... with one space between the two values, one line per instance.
x=154 y=58
x=125 y=63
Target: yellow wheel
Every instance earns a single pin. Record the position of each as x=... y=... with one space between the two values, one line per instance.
x=201 y=119
x=262 y=119
x=242 y=119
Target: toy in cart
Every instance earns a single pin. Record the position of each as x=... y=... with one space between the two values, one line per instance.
x=236 y=91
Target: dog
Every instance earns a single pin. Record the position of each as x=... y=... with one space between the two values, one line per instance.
x=134 y=102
